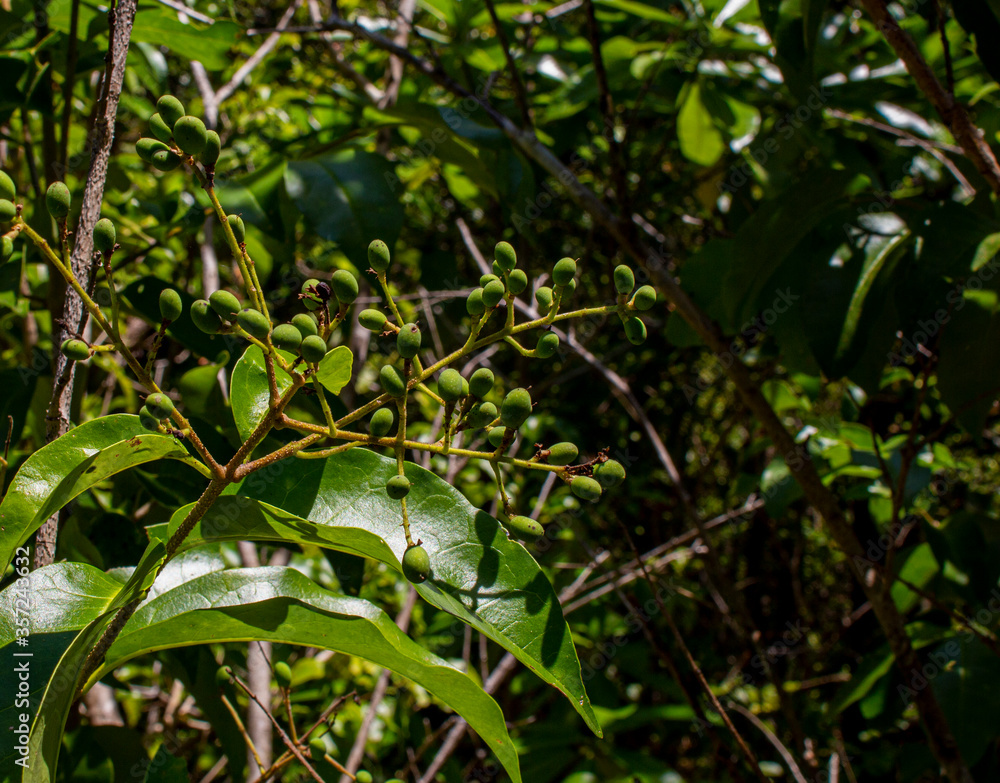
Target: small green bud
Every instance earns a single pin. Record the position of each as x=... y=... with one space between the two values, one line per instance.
x=190 y=134
x=495 y=436
x=481 y=382
x=311 y=301
x=378 y=255
x=165 y=160
x=171 y=305
x=644 y=298
x=57 y=200
x=225 y=304
x=564 y=453
x=586 y=488
x=398 y=487
x=286 y=337
x=481 y=414
x=283 y=674
x=408 y=341
x=547 y=345
x=543 y=296
x=474 y=305
x=239 y=228
x=635 y=331
x=254 y=323
x=159 y=405
x=609 y=474
x=450 y=385
x=493 y=294
x=305 y=323
x=8 y=210
x=564 y=271
x=213 y=148
x=486 y=279
x=392 y=381
x=372 y=320
x=624 y=279
x=381 y=422
x=205 y=318
x=313 y=348
x=147 y=420
x=159 y=128
x=170 y=109
x=105 y=235
x=416 y=563
x=75 y=350
x=524 y=528
x=517 y=282
x=505 y=256
x=146 y=147
x=7 y=189
x=6 y=249
x=516 y=408
x=345 y=286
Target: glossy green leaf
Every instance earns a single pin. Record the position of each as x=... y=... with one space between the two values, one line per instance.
x=248 y=389
x=209 y=45
x=334 y=371
x=700 y=141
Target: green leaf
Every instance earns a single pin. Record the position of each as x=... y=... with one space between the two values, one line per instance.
x=208 y=45
x=641 y=10
x=248 y=389
x=166 y=768
x=58 y=472
x=701 y=142
x=334 y=371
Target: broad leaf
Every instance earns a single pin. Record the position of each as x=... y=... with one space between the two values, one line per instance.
x=248 y=389
x=334 y=371
x=208 y=45
x=701 y=142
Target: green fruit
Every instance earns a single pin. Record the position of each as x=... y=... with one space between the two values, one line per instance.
x=450 y=385
x=495 y=436
x=564 y=271
x=408 y=341
x=493 y=294
x=505 y=256
x=254 y=323
x=146 y=147
x=392 y=381
x=283 y=674
x=165 y=160
x=416 y=564
x=569 y=290
x=75 y=350
x=525 y=528
x=378 y=255
x=305 y=323
x=543 y=296
x=147 y=420
x=516 y=408
x=345 y=286
x=171 y=305
x=547 y=345
x=624 y=279
x=317 y=747
x=238 y=227
x=222 y=676
x=486 y=279
x=563 y=453
x=481 y=382
x=8 y=210
x=205 y=318
x=481 y=414
x=635 y=331
x=57 y=200
x=517 y=282
x=465 y=388
x=474 y=305
x=7 y=189
x=225 y=304
x=105 y=235
x=372 y=320
x=586 y=488
x=609 y=474
x=159 y=405
x=381 y=422
x=6 y=249
x=313 y=348
x=363 y=776
x=497 y=271
x=170 y=109
x=311 y=301
x=286 y=337
x=644 y=298
x=159 y=128
x=190 y=134
x=213 y=148
x=398 y=487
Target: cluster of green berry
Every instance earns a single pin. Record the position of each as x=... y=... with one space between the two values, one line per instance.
x=177 y=135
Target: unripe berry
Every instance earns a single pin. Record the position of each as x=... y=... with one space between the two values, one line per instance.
x=481 y=382
x=105 y=235
x=170 y=109
x=398 y=487
x=363 y=776
x=159 y=405
x=345 y=286
x=7 y=189
x=286 y=337
x=517 y=282
x=311 y=301
x=547 y=345
x=238 y=227
x=190 y=134
x=525 y=528
x=8 y=210
x=497 y=270
x=146 y=147
x=372 y=320
x=543 y=296
x=408 y=341
x=381 y=422
x=481 y=414
x=516 y=408
x=485 y=279
x=205 y=318
x=586 y=488
x=283 y=674
x=493 y=293
x=609 y=474
x=505 y=256
x=564 y=271
x=624 y=279
x=644 y=298
x=147 y=420
x=568 y=290
x=378 y=255
x=159 y=128
x=495 y=436
x=313 y=348
x=474 y=305
x=450 y=385
x=225 y=304
x=635 y=331
x=222 y=676
x=305 y=323
x=75 y=350
x=213 y=148
x=171 y=305
x=416 y=564
x=465 y=388
x=6 y=249
x=57 y=200
x=563 y=453
x=392 y=381
x=165 y=160
x=254 y=323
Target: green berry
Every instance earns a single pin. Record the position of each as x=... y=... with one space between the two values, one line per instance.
x=213 y=148
x=497 y=271
x=57 y=200
x=105 y=235
x=408 y=341
x=481 y=414
x=505 y=256
x=495 y=436
x=254 y=323
x=547 y=345
x=543 y=296
x=311 y=301
x=481 y=382
x=381 y=422
x=305 y=323
x=609 y=474
x=345 y=286
x=286 y=337
x=486 y=279
x=238 y=227
x=450 y=385
x=283 y=674
x=317 y=747
x=416 y=564
x=159 y=128
x=624 y=279
x=474 y=305
x=635 y=331
x=222 y=676
x=563 y=453
x=644 y=298
x=392 y=381
x=517 y=282
x=75 y=350
x=159 y=405
x=363 y=776
x=372 y=320
x=524 y=528
x=378 y=255
x=564 y=271
x=6 y=249
x=170 y=109
x=147 y=420
x=516 y=408
x=7 y=189
x=586 y=488
x=398 y=487
x=190 y=134
x=165 y=160
x=225 y=304
x=171 y=305
x=205 y=318
x=146 y=147
x=569 y=290
x=465 y=388
x=313 y=348
x=493 y=294
x=8 y=210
